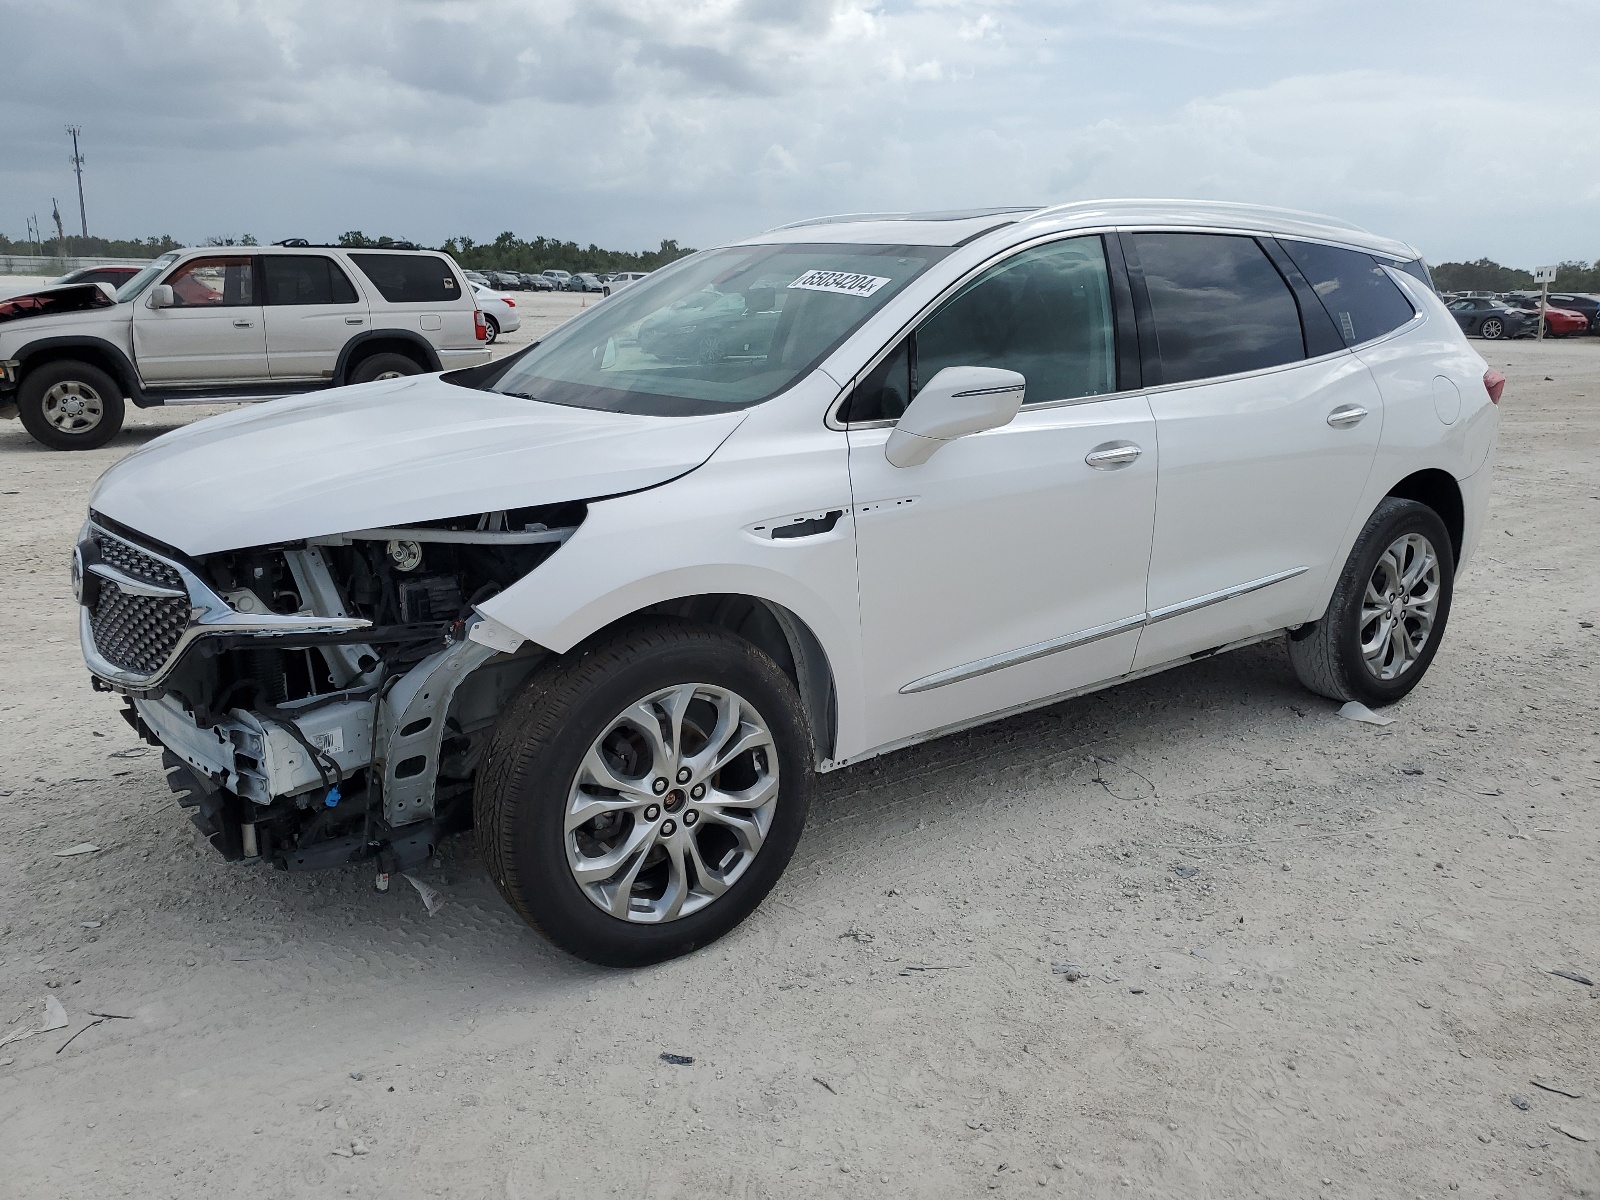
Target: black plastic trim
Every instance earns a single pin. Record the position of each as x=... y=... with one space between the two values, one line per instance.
x=1129 y=374
x=126 y=375
x=1149 y=351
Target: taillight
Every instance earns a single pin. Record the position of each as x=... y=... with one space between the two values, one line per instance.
x=1494 y=383
x=509 y=302
x=479 y=326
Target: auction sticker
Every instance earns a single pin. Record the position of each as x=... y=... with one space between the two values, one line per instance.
x=846 y=283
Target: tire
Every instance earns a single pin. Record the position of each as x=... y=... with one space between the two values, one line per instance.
x=1493 y=328
x=1328 y=655
x=573 y=713
x=70 y=405
x=384 y=366
x=492 y=330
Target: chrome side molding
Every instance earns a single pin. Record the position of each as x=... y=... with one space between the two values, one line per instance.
x=1012 y=658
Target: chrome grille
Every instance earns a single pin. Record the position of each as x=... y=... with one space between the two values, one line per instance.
x=130 y=560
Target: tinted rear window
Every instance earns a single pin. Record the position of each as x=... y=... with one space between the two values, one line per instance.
x=409 y=278
x=1363 y=301
x=1219 y=305
x=305 y=279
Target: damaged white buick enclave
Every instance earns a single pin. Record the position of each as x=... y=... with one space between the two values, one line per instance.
x=618 y=599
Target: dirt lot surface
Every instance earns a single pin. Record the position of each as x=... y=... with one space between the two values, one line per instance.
x=1316 y=957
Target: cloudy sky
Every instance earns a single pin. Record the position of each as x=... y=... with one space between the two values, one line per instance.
x=1466 y=127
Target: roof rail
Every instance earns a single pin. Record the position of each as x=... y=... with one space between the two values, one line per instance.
x=301 y=242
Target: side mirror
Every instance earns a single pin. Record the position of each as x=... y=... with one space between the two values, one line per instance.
x=161 y=296
x=955 y=402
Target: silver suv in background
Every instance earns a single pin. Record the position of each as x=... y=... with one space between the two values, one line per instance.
x=213 y=323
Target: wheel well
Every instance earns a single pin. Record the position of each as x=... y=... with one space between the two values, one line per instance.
x=381 y=345
x=784 y=637
x=1440 y=492
x=92 y=355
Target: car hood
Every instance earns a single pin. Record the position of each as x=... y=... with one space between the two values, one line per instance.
x=383 y=454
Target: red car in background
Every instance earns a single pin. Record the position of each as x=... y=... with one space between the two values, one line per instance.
x=1558 y=322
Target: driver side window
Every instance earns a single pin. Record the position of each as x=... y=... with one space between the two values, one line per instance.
x=1045 y=313
x=213 y=283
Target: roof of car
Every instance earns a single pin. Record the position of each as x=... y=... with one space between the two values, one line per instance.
x=955 y=228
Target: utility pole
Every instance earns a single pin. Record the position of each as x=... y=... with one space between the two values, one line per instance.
x=55 y=212
x=33 y=233
x=77 y=165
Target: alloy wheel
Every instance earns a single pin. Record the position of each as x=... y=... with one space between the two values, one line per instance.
x=72 y=407
x=672 y=803
x=1400 y=606
x=1491 y=329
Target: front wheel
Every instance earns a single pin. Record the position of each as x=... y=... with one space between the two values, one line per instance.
x=70 y=405
x=1493 y=329
x=640 y=798
x=1388 y=611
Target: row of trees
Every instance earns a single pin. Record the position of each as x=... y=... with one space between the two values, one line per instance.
x=507 y=252
x=511 y=253
x=1487 y=276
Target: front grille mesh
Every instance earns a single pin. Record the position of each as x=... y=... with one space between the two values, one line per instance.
x=137 y=633
x=132 y=561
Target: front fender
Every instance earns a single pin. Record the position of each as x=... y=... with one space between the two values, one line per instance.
x=697 y=536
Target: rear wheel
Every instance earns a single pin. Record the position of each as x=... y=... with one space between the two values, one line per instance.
x=639 y=799
x=1492 y=328
x=70 y=405
x=1388 y=611
x=491 y=329
x=384 y=366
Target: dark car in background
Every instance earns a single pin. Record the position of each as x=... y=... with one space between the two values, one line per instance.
x=537 y=283
x=1485 y=317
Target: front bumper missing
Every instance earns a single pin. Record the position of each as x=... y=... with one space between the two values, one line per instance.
x=209 y=613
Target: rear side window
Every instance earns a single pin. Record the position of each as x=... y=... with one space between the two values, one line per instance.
x=1363 y=301
x=409 y=278
x=1418 y=269
x=1219 y=305
x=305 y=279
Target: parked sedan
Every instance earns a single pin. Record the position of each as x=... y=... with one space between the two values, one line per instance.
x=1558 y=319
x=499 y=312
x=1482 y=317
x=584 y=281
x=537 y=283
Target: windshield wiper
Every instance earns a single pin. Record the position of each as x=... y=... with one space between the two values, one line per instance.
x=520 y=395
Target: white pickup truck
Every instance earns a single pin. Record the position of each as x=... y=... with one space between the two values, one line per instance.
x=229 y=324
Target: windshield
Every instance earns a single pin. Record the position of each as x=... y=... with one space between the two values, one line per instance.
x=139 y=282
x=724 y=329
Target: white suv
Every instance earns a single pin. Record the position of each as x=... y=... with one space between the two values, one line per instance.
x=229 y=323
x=779 y=508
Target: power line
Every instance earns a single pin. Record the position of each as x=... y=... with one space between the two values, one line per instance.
x=77 y=165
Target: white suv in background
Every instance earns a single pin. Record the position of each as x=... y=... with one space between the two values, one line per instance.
x=783 y=506
x=224 y=323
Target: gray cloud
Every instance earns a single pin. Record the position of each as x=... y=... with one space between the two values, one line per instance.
x=625 y=121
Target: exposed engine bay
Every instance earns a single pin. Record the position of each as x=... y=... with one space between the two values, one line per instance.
x=357 y=738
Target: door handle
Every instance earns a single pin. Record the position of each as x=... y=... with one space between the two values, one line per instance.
x=241 y=324
x=353 y=320
x=1112 y=455
x=1346 y=415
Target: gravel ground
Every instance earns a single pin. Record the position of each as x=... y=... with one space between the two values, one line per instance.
x=1311 y=958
